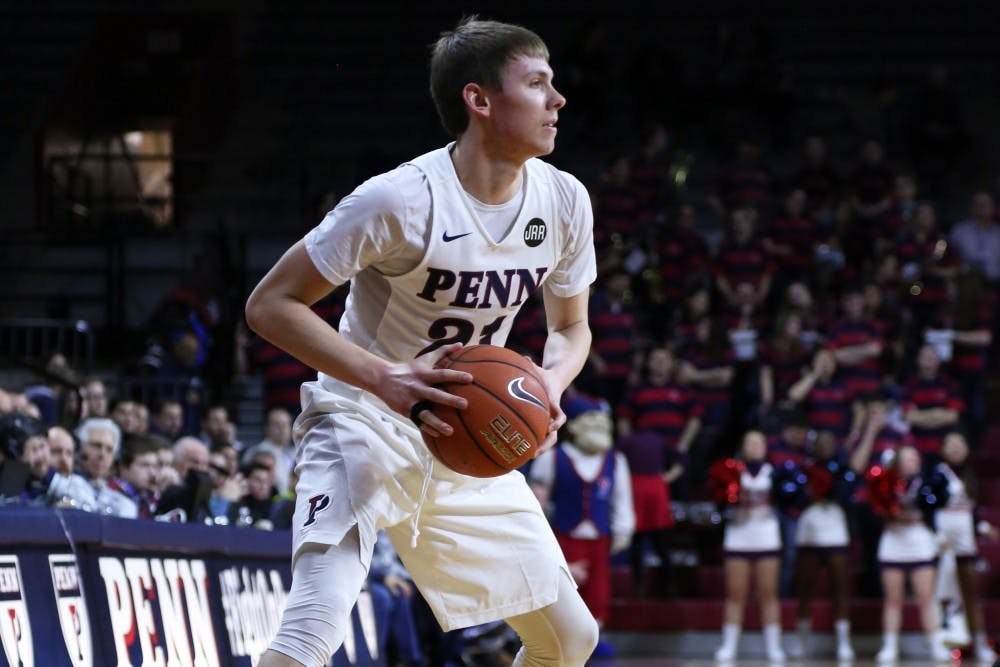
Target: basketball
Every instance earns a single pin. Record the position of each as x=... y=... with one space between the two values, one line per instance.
x=507 y=416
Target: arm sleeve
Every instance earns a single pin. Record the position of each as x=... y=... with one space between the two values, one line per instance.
x=622 y=510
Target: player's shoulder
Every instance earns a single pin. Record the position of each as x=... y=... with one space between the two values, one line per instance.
x=569 y=193
x=392 y=193
x=557 y=178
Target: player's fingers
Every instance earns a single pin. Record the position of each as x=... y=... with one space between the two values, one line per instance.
x=433 y=426
x=444 y=398
x=444 y=351
x=557 y=417
x=443 y=375
x=548 y=443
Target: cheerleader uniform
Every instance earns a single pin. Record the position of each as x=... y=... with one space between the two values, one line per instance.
x=907 y=542
x=823 y=524
x=752 y=530
x=955 y=523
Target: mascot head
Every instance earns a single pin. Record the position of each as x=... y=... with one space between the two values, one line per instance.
x=588 y=423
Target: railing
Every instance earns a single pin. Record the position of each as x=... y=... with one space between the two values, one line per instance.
x=29 y=342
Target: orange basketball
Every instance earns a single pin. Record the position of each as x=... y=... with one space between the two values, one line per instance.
x=507 y=416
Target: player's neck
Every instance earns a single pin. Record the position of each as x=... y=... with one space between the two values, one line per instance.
x=488 y=178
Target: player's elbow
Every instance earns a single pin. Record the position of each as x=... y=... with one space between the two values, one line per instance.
x=256 y=311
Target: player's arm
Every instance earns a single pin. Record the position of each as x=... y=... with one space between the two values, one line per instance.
x=279 y=311
x=566 y=350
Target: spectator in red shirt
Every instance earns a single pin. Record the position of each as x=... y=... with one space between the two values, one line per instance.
x=742 y=258
x=883 y=433
x=972 y=320
x=783 y=357
x=932 y=403
x=613 y=323
x=857 y=343
x=659 y=404
x=791 y=240
x=283 y=374
x=616 y=209
x=697 y=305
x=707 y=367
x=898 y=217
x=883 y=307
x=649 y=172
x=791 y=441
x=829 y=403
x=746 y=181
x=679 y=254
x=798 y=299
x=927 y=267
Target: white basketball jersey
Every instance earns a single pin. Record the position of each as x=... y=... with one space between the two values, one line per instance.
x=467 y=287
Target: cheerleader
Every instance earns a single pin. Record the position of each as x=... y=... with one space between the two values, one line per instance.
x=822 y=536
x=908 y=546
x=957 y=533
x=751 y=544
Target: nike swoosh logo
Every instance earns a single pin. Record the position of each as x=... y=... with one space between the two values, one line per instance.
x=448 y=239
x=516 y=390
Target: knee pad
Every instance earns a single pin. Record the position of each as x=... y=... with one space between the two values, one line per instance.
x=325 y=587
x=579 y=643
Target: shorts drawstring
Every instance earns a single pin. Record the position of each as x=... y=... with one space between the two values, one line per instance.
x=428 y=473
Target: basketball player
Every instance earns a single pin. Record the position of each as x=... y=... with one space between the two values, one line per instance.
x=440 y=252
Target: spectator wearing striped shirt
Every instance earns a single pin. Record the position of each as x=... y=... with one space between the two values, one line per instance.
x=791 y=239
x=972 y=317
x=927 y=266
x=931 y=402
x=708 y=367
x=613 y=323
x=745 y=181
x=660 y=404
x=829 y=402
x=681 y=255
x=783 y=357
x=616 y=205
x=857 y=344
x=742 y=258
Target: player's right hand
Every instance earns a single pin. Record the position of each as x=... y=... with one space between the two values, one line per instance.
x=411 y=389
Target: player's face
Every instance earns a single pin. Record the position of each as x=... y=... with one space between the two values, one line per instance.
x=524 y=113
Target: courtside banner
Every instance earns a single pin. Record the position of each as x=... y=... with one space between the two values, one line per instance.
x=83 y=590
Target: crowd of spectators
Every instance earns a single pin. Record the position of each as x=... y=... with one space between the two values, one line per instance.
x=70 y=446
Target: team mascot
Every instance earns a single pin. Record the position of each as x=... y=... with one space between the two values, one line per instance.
x=586 y=489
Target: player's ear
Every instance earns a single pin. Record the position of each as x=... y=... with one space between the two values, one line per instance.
x=476 y=99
